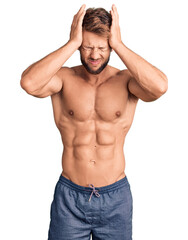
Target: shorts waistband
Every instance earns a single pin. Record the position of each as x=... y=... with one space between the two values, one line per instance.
x=120 y=183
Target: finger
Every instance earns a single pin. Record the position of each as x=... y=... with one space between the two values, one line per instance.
x=115 y=15
x=81 y=15
x=81 y=10
x=115 y=10
x=112 y=12
x=82 y=7
x=76 y=16
x=73 y=21
x=80 y=19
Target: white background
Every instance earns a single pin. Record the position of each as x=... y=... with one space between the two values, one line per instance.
x=155 y=147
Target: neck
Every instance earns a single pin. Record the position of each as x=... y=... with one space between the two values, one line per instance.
x=95 y=79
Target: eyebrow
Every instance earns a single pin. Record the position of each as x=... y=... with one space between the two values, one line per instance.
x=92 y=46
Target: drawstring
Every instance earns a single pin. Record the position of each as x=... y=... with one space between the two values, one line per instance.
x=94 y=191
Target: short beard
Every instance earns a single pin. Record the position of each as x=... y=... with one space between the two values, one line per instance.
x=99 y=70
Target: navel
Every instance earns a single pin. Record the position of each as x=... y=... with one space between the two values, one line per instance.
x=118 y=113
x=71 y=112
x=92 y=161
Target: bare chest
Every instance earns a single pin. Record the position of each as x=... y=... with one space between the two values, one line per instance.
x=82 y=102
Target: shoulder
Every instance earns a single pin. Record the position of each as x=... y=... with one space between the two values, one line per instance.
x=126 y=75
x=76 y=70
x=67 y=72
x=113 y=71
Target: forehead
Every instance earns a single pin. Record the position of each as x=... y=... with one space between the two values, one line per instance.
x=92 y=39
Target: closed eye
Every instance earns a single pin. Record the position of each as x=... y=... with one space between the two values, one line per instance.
x=103 y=48
x=87 y=47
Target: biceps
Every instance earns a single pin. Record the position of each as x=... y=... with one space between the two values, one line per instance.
x=53 y=86
x=135 y=89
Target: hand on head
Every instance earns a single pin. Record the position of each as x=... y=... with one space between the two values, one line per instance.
x=76 y=27
x=115 y=33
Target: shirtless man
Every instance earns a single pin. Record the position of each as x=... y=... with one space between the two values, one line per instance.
x=93 y=106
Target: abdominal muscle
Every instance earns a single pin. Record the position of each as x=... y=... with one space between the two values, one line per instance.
x=99 y=162
x=93 y=122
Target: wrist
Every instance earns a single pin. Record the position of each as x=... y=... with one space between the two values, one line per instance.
x=117 y=46
x=74 y=44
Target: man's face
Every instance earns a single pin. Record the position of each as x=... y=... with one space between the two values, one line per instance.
x=94 y=52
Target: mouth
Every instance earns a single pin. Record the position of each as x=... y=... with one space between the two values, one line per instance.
x=94 y=62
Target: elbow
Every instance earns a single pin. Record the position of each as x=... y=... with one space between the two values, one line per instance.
x=162 y=88
x=158 y=92
x=25 y=83
x=164 y=85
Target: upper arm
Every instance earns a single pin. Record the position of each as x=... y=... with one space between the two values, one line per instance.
x=53 y=86
x=137 y=91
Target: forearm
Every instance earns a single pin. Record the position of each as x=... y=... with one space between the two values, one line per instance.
x=147 y=76
x=39 y=74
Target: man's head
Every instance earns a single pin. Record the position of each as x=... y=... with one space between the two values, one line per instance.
x=97 y=20
x=95 y=49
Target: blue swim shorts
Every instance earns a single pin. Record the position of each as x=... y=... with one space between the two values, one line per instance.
x=77 y=212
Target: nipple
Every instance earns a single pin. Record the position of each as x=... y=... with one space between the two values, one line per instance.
x=71 y=112
x=118 y=113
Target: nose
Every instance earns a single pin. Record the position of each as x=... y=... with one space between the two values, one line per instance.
x=95 y=53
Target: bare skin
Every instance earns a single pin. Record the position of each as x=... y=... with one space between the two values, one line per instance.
x=93 y=120
x=94 y=112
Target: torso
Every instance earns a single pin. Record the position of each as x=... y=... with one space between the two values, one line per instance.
x=93 y=122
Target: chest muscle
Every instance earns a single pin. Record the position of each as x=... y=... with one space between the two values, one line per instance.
x=107 y=102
